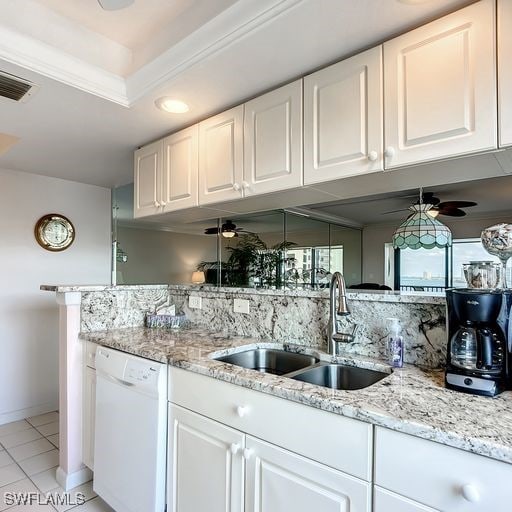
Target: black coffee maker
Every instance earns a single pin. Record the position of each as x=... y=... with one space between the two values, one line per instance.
x=479 y=340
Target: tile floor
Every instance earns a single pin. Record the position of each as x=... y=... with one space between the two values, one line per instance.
x=29 y=455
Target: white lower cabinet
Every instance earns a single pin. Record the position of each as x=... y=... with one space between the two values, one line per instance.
x=444 y=478
x=278 y=480
x=232 y=449
x=205 y=464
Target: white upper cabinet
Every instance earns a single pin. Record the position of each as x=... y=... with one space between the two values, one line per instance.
x=440 y=88
x=147 y=180
x=505 y=71
x=343 y=118
x=180 y=170
x=221 y=157
x=273 y=141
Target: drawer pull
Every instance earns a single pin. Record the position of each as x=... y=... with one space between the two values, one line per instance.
x=470 y=493
x=241 y=411
x=235 y=448
x=248 y=453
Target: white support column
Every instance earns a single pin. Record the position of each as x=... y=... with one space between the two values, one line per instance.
x=71 y=471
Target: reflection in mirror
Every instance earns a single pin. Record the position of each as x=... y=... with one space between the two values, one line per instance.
x=296 y=251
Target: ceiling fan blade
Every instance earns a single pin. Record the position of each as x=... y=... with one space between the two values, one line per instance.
x=456 y=204
x=211 y=231
x=114 y=5
x=429 y=198
x=452 y=212
x=395 y=211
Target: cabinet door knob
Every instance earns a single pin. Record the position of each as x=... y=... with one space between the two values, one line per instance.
x=246 y=185
x=235 y=448
x=236 y=186
x=248 y=453
x=390 y=152
x=163 y=203
x=241 y=411
x=157 y=204
x=372 y=156
x=470 y=493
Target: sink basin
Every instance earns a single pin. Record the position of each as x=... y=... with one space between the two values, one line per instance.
x=338 y=376
x=277 y=362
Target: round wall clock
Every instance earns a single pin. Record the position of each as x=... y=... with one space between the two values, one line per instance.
x=54 y=232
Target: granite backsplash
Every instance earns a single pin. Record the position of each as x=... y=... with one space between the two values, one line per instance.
x=283 y=316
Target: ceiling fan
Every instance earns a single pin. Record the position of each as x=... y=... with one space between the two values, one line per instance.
x=227 y=230
x=114 y=5
x=448 y=208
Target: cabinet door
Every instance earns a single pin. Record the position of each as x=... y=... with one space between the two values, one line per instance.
x=180 y=170
x=440 y=88
x=147 y=179
x=505 y=71
x=385 y=501
x=221 y=157
x=88 y=412
x=205 y=466
x=278 y=480
x=273 y=141
x=343 y=122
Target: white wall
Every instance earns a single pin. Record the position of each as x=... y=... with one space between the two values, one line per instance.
x=28 y=316
x=376 y=235
x=160 y=257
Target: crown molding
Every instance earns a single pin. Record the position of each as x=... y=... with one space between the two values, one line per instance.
x=46 y=60
x=219 y=33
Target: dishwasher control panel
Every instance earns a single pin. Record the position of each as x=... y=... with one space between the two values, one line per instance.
x=140 y=372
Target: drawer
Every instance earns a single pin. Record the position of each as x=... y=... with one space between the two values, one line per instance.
x=439 y=476
x=90 y=354
x=339 y=442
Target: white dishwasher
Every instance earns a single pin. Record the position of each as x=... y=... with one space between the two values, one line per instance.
x=130 y=432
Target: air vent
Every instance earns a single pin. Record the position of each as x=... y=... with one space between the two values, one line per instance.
x=15 y=88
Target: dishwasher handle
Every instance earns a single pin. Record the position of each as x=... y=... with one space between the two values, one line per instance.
x=117 y=380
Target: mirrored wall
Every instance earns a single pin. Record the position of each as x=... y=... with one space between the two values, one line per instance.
x=275 y=250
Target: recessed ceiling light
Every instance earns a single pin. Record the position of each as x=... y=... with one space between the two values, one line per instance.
x=114 y=5
x=171 y=105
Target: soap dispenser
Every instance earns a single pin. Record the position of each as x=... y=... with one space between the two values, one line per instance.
x=395 y=343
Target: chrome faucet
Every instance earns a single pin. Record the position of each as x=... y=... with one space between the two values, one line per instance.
x=333 y=335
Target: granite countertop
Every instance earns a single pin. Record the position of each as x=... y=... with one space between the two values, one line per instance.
x=410 y=400
x=215 y=291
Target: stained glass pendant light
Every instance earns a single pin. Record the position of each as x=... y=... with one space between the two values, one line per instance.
x=421 y=230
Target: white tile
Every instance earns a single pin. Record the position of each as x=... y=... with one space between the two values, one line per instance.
x=95 y=505
x=76 y=497
x=24 y=451
x=55 y=439
x=49 y=429
x=45 y=481
x=43 y=419
x=32 y=508
x=11 y=473
x=16 y=426
x=5 y=459
x=21 y=486
x=40 y=462
x=17 y=438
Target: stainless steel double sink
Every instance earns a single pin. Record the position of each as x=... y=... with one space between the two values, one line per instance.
x=305 y=368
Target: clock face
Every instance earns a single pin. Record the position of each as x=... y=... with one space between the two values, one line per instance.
x=54 y=232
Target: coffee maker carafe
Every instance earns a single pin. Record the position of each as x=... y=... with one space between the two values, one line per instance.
x=477 y=340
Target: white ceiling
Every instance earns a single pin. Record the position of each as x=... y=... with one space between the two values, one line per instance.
x=210 y=53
